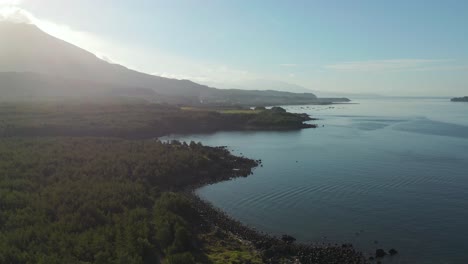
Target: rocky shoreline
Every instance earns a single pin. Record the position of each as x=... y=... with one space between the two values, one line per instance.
x=274 y=249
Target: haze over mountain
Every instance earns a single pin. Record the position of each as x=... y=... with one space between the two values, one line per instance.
x=260 y=84
x=276 y=85
x=27 y=49
x=33 y=63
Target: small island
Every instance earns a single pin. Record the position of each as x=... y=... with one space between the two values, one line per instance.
x=460 y=99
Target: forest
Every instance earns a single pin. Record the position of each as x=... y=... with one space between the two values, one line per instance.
x=90 y=182
x=130 y=119
x=102 y=200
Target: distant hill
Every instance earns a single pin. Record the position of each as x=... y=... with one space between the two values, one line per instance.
x=460 y=99
x=30 y=84
x=33 y=63
x=260 y=84
x=256 y=97
x=279 y=89
x=322 y=94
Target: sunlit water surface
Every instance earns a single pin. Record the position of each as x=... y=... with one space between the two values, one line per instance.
x=382 y=173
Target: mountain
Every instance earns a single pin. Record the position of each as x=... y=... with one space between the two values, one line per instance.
x=323 y=94
x=260 y=84
x=29 y=85
x=34 y=64
x=259 y=98
x=275 y=85
x=28 y=49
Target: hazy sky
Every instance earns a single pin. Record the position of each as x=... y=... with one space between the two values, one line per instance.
x=417 y=47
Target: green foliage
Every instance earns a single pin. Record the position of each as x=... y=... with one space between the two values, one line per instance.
x=172 y=229
x=98 y=200
x=277 y=117
x=181 y=258
x=131 y=120
x=109 y=200
x=222 y=248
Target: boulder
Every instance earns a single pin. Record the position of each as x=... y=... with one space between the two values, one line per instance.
x=288 y=239
x=380 y=253
x=392 y=252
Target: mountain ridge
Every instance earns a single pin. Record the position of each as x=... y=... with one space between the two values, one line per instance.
x=69 y=61
x=70 y=70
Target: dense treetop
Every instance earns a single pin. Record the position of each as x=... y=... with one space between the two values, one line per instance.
x=132 y=119
x=97 y=200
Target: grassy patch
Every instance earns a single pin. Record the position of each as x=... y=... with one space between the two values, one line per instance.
x=239 y=111
x=222 y=111
x=223 y=248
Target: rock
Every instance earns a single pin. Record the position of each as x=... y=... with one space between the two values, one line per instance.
x=393 y=252
x=380 y=253
x=288 y=239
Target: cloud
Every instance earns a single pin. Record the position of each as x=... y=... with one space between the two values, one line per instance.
x=14 y=14
x=82 y=39
x=10 y=2
x=288 y=65
x=386 y=65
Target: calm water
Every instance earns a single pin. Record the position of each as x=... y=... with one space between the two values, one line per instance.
x=384 y=173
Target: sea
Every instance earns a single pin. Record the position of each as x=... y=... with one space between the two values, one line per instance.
x=378 y=173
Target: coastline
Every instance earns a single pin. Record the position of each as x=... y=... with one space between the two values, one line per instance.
x=137 y=121
x=271 y=248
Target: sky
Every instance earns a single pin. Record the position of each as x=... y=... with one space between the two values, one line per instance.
x=407 y=48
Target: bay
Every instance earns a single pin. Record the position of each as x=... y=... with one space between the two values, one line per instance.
x=379 y=173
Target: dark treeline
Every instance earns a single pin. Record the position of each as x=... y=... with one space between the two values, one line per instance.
x=133 y=120
x=460 y=99
x=96 y=200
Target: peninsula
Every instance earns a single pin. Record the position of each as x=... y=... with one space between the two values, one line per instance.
x=136 y=119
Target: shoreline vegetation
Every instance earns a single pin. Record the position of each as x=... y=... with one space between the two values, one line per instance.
x=80 y=184
x=273 y=249
x=109 y=200
x=460 y=99
x=137 y=120
x=106 y=200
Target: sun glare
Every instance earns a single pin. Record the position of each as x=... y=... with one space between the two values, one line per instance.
x=14 y=14
x=82 y=39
